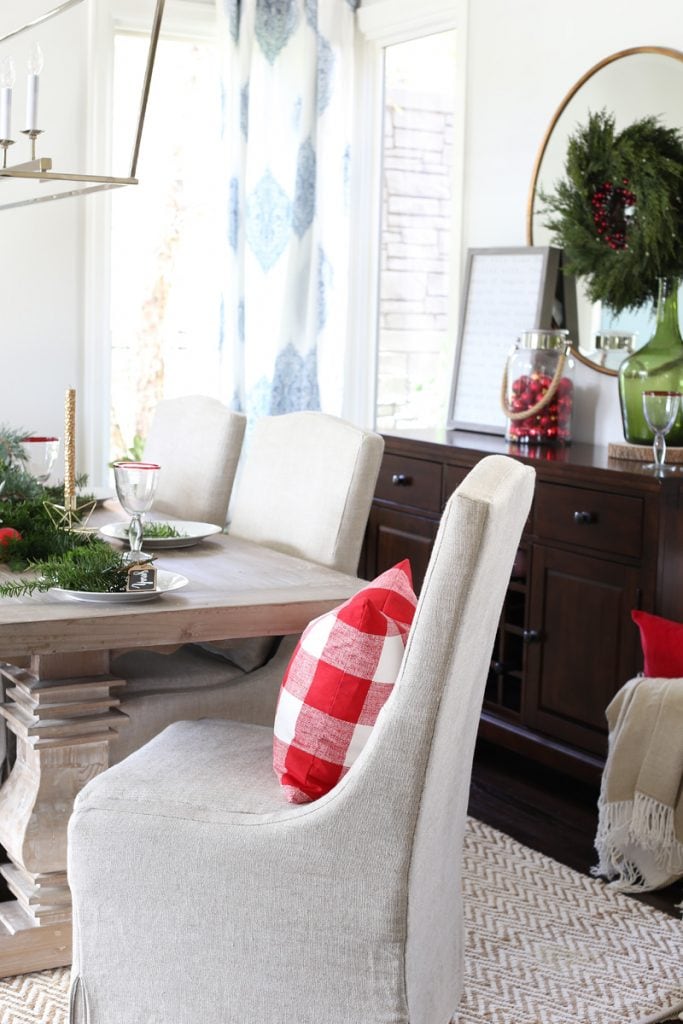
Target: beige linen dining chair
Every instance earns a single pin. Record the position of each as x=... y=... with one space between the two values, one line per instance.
x=305 y=488
x=202 y=895
x=197 y=442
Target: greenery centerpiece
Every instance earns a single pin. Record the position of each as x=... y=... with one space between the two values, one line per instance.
x=618 y=216
x=92 y=566
x=30 y=539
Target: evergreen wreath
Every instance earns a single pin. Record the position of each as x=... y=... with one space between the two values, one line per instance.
x=618 y=213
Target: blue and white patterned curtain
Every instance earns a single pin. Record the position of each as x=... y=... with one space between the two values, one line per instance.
x=288 y=119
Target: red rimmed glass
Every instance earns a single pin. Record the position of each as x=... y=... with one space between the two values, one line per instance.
x=660 y=409
x=41 y=455
x=136 y=484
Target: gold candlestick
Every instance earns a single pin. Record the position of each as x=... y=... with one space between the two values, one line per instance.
x=71 y=515
x=70 y=449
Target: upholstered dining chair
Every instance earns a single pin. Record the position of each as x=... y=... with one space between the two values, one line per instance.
x=201 y=895
x=305 y=488
x=197 y=442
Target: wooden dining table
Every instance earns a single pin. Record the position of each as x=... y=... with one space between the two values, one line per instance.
x=62 y=703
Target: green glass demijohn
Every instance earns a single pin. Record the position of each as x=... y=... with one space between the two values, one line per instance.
x=657 y=366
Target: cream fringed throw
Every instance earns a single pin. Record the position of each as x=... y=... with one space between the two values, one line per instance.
x=640 y=824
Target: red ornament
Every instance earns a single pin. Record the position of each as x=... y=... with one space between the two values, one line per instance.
x=8 y=533
x=550 y=423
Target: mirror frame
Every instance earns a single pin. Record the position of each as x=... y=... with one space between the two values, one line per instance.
x=664 y=51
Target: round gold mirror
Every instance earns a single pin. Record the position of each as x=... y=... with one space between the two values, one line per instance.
x=631 y=84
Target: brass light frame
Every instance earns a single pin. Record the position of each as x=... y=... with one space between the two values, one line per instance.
x=41 y=169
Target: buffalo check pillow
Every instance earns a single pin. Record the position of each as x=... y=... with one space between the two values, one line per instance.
x=339 y=677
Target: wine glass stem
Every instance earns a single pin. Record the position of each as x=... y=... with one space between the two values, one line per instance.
x=659 y=448
x=135 y=533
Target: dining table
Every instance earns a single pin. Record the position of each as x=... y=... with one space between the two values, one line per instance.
x=62 y=704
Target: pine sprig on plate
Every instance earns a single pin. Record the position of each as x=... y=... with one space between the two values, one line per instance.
x=157 y=529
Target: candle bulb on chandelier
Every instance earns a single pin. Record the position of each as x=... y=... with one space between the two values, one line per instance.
x=34 y=66
x=70 y=449
x=7 y=79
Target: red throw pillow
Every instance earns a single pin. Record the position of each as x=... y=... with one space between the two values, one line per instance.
x=662 y=644
x=339 y=677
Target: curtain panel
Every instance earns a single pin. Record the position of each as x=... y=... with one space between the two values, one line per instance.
x=288 y=106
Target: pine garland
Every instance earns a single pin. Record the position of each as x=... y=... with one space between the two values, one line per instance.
x=39 y=537
x=93 y=566
x=11 y=445
x=618 y=213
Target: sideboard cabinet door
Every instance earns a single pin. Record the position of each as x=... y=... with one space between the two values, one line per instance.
x=586 y=645
x=393 y=535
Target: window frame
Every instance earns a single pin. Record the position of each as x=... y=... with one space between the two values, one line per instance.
x=380 y=24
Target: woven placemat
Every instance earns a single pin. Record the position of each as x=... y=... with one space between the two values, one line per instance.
x=641 y=452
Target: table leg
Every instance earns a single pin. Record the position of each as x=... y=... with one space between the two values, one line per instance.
x=62 y=713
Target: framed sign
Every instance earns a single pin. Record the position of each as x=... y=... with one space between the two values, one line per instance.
x=507 y=291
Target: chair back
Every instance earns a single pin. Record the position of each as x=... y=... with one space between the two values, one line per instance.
x=197 y=442
x=412 y=778
x=306 y=487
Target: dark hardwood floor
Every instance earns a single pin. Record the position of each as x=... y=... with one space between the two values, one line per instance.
x=547 y=811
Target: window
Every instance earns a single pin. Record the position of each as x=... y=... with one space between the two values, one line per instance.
x=411 y=147
x=415 y=338
x=166 y=236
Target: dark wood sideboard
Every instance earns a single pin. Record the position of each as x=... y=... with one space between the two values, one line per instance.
x=604 y=536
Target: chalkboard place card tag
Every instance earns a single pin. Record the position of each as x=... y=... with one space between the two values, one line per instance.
x=141 y=578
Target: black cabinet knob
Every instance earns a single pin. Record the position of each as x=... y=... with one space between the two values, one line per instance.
x=531 y=636
x=401 y=480
x=584 y=517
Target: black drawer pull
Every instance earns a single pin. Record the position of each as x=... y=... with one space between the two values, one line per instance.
x=401 y=480
x=531 y=636
x=585 y=517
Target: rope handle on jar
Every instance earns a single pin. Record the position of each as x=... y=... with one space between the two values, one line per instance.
x=542 y=402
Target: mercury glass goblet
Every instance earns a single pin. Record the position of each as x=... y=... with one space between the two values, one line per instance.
x=136 y=484
x=660 y=409
x=41 y=453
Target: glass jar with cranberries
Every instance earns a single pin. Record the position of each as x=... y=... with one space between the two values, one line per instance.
x=538 y=391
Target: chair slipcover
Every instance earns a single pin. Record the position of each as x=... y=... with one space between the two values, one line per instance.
x=197 y=442
x=305 y=488
x=201 y=895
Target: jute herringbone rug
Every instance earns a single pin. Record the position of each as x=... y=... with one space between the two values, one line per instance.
x=544 y=945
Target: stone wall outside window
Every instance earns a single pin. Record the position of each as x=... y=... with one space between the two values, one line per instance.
x=415 y=344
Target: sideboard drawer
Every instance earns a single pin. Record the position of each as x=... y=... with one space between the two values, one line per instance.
x=612 y=523
x=453 y=477
x=408 y=481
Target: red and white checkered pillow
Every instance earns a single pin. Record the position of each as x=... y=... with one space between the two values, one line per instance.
x=338 y=679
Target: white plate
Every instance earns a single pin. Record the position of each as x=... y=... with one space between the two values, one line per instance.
x=166 y=581
x=194 y=533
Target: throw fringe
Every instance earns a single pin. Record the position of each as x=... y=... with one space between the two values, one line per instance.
x=645 y=823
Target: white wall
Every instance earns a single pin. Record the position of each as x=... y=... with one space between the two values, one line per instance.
x=41 y=247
